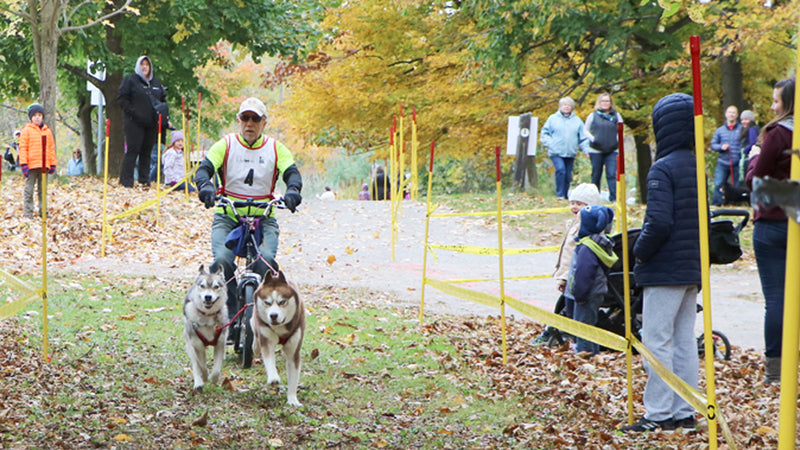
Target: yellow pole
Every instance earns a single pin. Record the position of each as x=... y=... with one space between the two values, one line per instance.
x=401 y=154
x=186 y=162
x=104 y=228
x=500 y=252
x=702 y=214
x=392 y=181
x=414 y=148
x=199 y=97
x=43 y=204
x=428 y=212
x=791 y=309
x=158 y=172
x=622 y=224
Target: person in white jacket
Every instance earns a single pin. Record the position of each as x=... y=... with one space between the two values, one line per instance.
x=562 y=134
x=174 y=162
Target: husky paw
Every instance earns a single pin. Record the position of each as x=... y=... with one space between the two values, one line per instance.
x=292 y=401
x=214 y=378
x=275 y=380
x=198 y=389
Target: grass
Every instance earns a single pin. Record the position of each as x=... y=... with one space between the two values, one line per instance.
x=119 y=376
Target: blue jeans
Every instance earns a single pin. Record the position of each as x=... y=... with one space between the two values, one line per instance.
x=563 y=168
x=223 y=256
x=769 y=243
x=587 y=313
x=609 y=161
x=722 y=174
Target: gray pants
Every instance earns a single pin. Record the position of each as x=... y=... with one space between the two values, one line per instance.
x=34 y=180
x=668 y=332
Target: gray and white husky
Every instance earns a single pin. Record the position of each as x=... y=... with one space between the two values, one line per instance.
x=204 y=314
x=279 y=318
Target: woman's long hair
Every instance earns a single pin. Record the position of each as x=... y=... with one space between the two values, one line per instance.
x=786 y=86
x=600 y=97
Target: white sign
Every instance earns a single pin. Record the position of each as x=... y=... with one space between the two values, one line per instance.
x=97 y=97
x=514 y=133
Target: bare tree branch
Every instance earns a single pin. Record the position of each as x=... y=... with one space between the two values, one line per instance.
x=120 y=10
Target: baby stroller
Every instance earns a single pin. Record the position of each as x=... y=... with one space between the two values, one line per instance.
x=723 y=249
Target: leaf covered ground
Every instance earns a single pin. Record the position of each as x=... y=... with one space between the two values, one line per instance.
x=373 y=377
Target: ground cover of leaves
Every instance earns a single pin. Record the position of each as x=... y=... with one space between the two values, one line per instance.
x=569 y=401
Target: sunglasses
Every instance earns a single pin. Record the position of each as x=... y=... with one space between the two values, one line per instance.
x=250 y=117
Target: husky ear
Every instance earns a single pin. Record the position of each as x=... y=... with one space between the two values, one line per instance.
x=281 y=277
x=218 y=271
x=202 y=268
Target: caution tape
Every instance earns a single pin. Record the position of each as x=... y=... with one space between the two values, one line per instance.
x=16 y=283
x=9 y=309
x=475 y=250
x=582 y=330
x=505 y=213
x=478 y=280
x=144 y=205
x=467 y=294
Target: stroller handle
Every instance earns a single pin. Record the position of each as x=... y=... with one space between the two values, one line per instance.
x=745 y=214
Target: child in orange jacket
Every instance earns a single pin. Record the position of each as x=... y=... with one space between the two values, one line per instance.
x=37 y=152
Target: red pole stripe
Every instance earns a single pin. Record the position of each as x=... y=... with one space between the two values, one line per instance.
x=433 y=144
x=694 y=42
x=497 y=161
x=108 y=127
x=621 y=156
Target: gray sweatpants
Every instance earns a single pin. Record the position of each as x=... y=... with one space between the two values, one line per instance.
x=668 y=316
x=34 y=181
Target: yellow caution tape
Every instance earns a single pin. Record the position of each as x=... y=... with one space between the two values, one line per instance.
x=9 y=309
x=477 y=280
x=144 y=205
x=505 y=213
x=16 y=283
x=466 y=294
x=588 y=332
x=474 y=250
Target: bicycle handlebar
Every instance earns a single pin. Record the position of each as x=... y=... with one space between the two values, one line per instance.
x=224 y=202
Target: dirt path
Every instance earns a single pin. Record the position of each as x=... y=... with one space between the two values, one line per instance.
x=348 y=244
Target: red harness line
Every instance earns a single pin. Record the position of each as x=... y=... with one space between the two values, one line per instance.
x=219 y=329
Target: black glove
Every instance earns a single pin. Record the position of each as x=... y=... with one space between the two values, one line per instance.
x=292 y=199
x=207 y=194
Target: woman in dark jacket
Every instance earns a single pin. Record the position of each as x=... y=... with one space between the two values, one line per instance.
x=138 y=96
x=770 y=225
x=668 y=265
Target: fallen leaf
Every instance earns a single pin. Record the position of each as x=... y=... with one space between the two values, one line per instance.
x=202 y=421
x=122 y=437
x=331 y=259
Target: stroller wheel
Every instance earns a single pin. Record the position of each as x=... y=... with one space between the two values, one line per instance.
x=721 y=343
x=556 y=339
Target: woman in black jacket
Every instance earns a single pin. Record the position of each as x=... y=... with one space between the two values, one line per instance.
x=142 y=97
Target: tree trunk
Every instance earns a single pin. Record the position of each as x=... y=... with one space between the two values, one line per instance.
x=732 y=90
x=116 y=142
x=48 y=60
x=643 y=163
x=87 y=135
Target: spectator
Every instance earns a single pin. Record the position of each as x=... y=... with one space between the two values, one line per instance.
x=770 y=226
x=583 y=195
x=747 y=138
x=75 y=165
x=364 y=194
x=248 y=165
x=667 y=255
x=11 y=149
x=141 y=97
x=381 y=186
x=37 y=152
x=327 y=194
x=562 y=134
x=726 y=143
x=588 y=272
x=174 y=162
x=601 y=128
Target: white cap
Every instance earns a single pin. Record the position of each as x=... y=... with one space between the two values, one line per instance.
x=585 y=193
x=255 y=105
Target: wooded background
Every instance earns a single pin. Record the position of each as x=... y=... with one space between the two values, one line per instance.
x=335 y=73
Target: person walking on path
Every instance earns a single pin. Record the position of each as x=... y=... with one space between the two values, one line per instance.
x=75 y=165
x=772 y=157
x=726 y=143
x=667 y=266
x=747 y=138
x=247 y=165
x=562 y=134
x=37 y=153
x=601 y=128
x=142 y=97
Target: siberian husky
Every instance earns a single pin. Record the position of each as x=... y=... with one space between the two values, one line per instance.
x=279 y=318
x=204 y=316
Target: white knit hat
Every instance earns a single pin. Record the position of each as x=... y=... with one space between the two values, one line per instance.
x=585 y=193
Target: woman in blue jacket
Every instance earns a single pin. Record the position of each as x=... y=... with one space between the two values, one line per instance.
x=562 y=135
